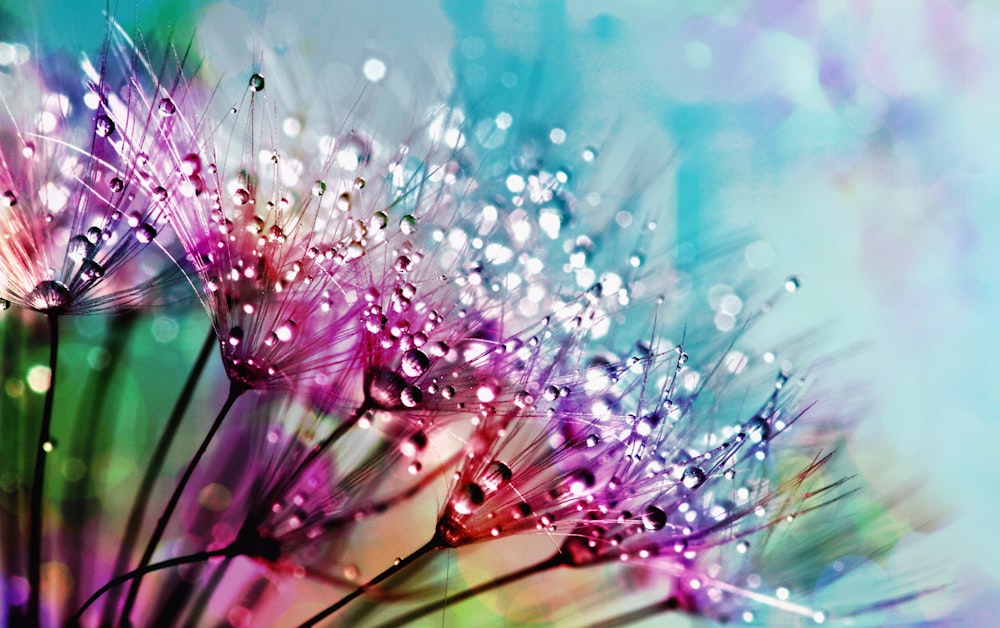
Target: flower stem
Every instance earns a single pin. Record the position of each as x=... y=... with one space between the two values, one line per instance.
x=197 y=557
x=552 y=562
x=38 y=482
x=235 y=391
x=138 y=511
x=434 y=544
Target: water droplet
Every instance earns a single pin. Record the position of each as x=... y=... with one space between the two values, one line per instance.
x=104 y=126
x=414 y=363
x=235 y=336
x=742 y=547
x=579 y=482
x=116 y=184
x=408 y=224
x=91 y=270
x=523 y=399
x=592 y=440
x=145 y=233
x=160 y=194
x=167 y=107
x=379 y=220
x=793 y=283
x=589 y=154
x=4 y=305
x=49 y=296
x=9 y=199
x=359 y=183
x=403 y=264
x=411 y=396
x=758 y=430
x=190 y=165
x=256 y=83
x=80 y=248
x=413 y=445
x=241 y=197
x=286 y=331
x=318 y=188
x=414 y=467
x=654 y=519
x=496 y=476
x=467 y=498
x=551 y=393
x=693 y=477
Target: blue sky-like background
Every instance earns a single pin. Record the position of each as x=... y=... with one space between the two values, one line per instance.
x=855 y=140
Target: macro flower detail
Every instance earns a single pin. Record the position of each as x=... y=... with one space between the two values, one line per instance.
x=450 y=351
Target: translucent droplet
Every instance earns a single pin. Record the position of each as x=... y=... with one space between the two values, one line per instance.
x=523 y=399
x=4 y=305
x=654 y=519
x=116 y=184
x=241 y=197
x=190 y=165
x=592 y=440
x=414 y=467
x=80 y=248
x=408 y=224
x=318 y=188
x=49 y=296
x=414 y=363
x=758 y=430
x=379 y=220
x=693 y=477
x=551 y=393
x=145 y=233
x=467 y=498
x=580 y=481
x=286 y=331
x=9 y=199
x=742 y=547
x=403 y=264
x=91 y=270
x=256 y=83
x=411 y=396
x=104 y=126
x=496 y=476
x=413 y=445
x=235 y=336
x=167 y=107
x=793 y=283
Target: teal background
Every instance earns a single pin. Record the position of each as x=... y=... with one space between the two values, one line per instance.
x=856 y=139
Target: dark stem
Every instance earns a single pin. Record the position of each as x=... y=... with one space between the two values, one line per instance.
x=556 y=560
x=145 y=569
x=38 y=482
x=138 y=511
x=663 y=606
x=235 y=391
x=434 y=544
x=15 y=452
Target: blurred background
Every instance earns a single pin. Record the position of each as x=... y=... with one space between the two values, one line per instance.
x=852 y=143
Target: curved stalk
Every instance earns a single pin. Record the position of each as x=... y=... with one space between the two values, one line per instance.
x=152 y=473
x=552 y=562
x=38 y=481
x=434 y=544
x=235 y=391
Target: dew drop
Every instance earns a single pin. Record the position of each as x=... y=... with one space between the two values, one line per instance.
x=241 y=197
x=793 y=283
x=235 y=336
x=654 y=519
x=580 y=481
x=414 y=468
x=592 y=440
x=286 y=331
x=379 y=220
x=758 y=430
x=49 y=296
x=116 y=184
x=256 y=83
x=468 y=497
x=91 y=270
x=408 y=224
x=413 y=445
x=523 y=399
x=167 y=107
x=191 y=165
x=104 y=126
x=414 y=363
x=80 y=248
x=496 y=476
x=411 y=396
x=9 y=198
x=145 y=233
x=403 y=264
x=693 y=477
x=318 y=188
x=551 y=393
